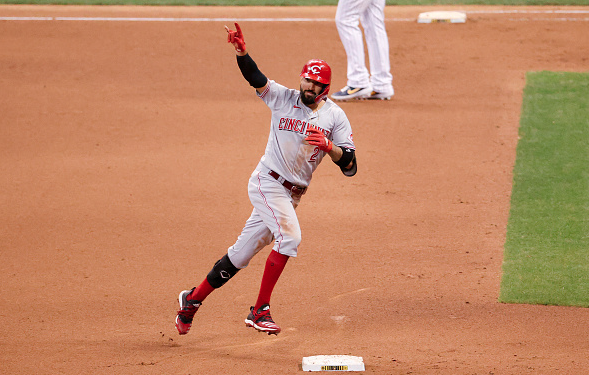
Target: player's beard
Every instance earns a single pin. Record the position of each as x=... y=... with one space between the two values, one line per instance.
x=306 y=99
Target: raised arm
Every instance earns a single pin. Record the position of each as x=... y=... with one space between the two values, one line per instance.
x=248 y=67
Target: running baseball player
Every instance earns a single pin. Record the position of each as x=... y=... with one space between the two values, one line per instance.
x=305 y=126
x=362 y=84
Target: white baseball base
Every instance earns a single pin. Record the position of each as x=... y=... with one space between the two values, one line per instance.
x=442 y=16
x=333 y=363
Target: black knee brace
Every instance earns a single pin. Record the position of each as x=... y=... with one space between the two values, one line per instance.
x=222 y=271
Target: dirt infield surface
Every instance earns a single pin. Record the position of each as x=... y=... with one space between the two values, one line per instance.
x=125 y=149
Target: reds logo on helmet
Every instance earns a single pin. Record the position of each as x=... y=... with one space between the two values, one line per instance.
x=315 y=69
x=318 y=70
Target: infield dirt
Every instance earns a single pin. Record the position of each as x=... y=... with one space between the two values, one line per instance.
x=125 y=150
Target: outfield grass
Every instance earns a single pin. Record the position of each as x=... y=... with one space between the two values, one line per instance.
x=546 y=257
x=294 y=2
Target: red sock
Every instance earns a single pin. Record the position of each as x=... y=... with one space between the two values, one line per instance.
x=201 y=292
x=274 y=267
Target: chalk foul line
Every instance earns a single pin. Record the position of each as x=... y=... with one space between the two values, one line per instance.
x=225 y=19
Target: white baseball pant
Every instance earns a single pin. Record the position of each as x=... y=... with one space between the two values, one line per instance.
x=273 y=217
x=371 y=14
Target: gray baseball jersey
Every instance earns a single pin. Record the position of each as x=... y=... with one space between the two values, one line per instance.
x=285 y=152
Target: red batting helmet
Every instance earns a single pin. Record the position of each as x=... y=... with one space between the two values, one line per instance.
x=319 y=71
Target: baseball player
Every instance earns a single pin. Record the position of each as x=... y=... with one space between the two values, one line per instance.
x=305 y=127
x=378 y=84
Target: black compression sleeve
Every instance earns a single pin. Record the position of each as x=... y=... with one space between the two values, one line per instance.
x=250 y=71
x=348 y=156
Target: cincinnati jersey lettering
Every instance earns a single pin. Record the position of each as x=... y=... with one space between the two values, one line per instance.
x=298 y=126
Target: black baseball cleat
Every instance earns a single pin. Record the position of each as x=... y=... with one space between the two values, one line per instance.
x=262 y=321
x=186 y=313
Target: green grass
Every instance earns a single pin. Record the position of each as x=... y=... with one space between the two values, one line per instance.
x=294 y=2
x=546 y=257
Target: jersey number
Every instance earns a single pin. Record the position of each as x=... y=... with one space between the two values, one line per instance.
x=313 y=157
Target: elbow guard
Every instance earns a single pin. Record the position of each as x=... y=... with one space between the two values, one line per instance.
x=250 y=71
x=349 y=156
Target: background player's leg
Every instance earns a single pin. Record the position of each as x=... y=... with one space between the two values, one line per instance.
x=347 y=19
x=378 y=47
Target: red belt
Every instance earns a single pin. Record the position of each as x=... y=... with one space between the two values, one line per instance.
x=296 y=190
